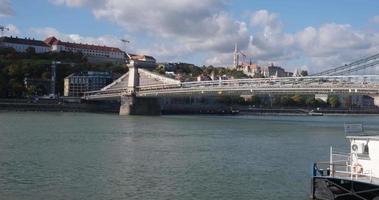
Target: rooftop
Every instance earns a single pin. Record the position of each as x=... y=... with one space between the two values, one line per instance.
x=54 y=41
x=25 y=41
x=363 y=137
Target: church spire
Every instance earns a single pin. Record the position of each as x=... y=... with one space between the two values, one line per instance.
x=235 y=56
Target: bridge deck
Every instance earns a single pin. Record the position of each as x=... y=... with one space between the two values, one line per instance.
x=362 y=85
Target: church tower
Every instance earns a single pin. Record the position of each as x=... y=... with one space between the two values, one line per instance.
x=235 y=56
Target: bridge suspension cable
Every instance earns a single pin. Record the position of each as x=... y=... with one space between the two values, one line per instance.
x=357 y=65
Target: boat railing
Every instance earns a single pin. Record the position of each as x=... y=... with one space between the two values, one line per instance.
x=341 y=165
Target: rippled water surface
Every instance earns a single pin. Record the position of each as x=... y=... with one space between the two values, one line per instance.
x=103 y=156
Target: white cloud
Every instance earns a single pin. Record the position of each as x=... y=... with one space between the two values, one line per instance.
x=219 y=59
x=331 y=38
x=375 y=19
x=185 y=26
x=5 y=8
x=181 y=28
x=12 y=30
x=75 y=3
x=329 y=45
x=270 y=43
x=106 y=40
x=335 y=44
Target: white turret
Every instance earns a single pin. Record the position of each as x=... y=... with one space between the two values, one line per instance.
x=235 y=56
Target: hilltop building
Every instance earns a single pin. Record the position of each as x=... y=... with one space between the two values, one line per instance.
x=142 y=58
x=143 y=61
x=94 y=53
x=274 y=71
x=22 y=44
x=75 y=85
x=236 y=56
x=251 y=69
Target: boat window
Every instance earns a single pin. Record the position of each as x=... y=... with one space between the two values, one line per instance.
x=366 y=151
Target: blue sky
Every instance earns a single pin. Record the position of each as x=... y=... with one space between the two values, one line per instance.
x=296 y=34
x=299 y=14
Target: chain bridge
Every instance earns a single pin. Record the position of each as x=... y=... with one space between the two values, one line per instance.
x=139 y=89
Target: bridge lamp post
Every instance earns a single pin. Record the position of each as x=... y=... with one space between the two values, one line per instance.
x=126 y=42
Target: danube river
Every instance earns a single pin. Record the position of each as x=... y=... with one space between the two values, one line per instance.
x=105 y=156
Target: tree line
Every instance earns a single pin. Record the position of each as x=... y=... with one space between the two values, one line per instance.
x=16 y=66
x=295 y=100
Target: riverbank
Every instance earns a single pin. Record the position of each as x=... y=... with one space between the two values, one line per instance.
x=306 y=112
x=55 y=106
x=175 y=109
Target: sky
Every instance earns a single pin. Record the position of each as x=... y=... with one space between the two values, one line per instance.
x=310 y=35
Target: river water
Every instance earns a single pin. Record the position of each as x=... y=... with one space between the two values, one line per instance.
x=105 y=156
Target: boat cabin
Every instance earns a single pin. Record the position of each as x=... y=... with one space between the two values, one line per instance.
x=364 y=151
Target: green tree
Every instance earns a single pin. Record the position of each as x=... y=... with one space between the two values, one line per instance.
x=298 y=100
x=160 y=69
x=310 y=101
x=16 y=88
x=286 y=101
x=334 y=102
x=255 y=100
x=31 y=90
x=3 y=85
x=30 y=51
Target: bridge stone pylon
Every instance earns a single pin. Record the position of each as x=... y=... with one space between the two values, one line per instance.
x=133 y=105
x=133 y=79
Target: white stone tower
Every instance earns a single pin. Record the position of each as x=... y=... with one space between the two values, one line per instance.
x=235 y=56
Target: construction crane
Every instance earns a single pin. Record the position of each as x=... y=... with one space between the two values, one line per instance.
x=2 y=29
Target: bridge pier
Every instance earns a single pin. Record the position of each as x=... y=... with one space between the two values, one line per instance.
x=323 y=97
x=376 y=99
x=131 y=105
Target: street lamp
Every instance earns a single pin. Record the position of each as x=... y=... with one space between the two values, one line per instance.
x=126 y=42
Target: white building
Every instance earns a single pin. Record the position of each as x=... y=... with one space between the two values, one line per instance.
x=142 y=58
x=94 y=53
x=250 y=69
x=75 y=85
x=22 y=44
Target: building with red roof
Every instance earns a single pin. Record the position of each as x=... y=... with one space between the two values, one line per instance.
x=22 y=44
x=94 y=53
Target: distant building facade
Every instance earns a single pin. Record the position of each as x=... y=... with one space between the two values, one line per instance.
x=251 y=69
x=143 y=61
x=142 y=58
x=275 y=71
x=94 y=53
x=75 y=85
x=22 y=44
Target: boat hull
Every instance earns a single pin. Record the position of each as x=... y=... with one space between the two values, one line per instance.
x=331 y=188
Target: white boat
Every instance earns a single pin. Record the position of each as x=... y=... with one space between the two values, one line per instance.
x=352 y=175
x=313 y=113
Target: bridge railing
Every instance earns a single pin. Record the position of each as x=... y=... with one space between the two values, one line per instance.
x=353 y=83
x=334 y=81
